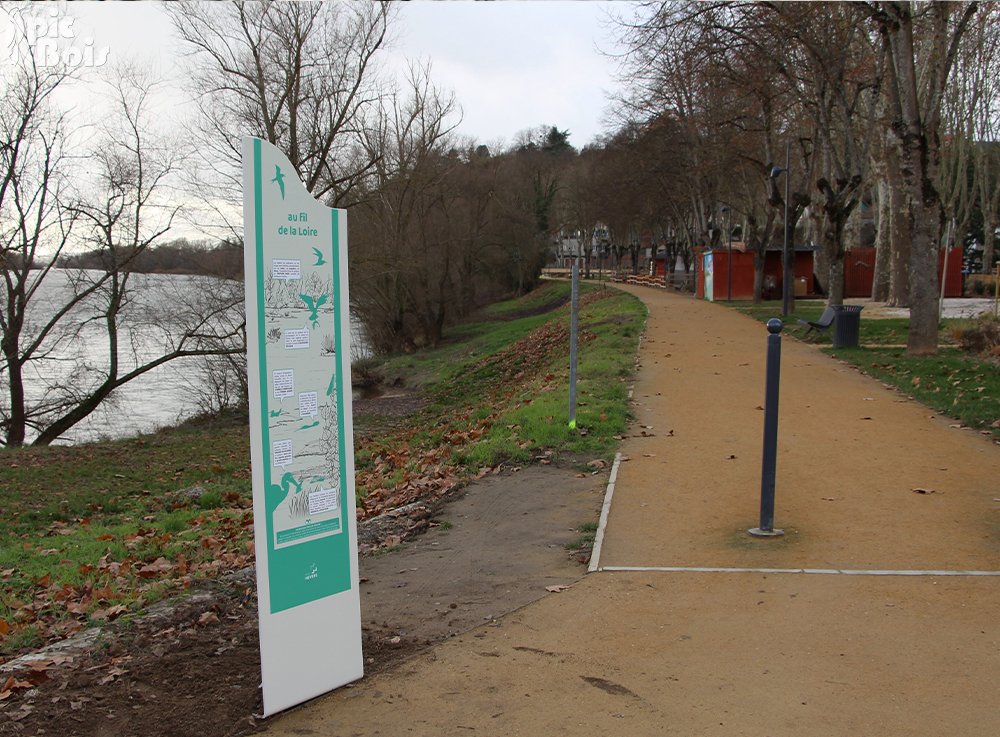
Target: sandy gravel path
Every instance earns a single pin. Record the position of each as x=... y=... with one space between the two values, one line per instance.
x=667 y=650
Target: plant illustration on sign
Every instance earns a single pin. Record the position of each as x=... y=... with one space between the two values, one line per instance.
x=298 y=508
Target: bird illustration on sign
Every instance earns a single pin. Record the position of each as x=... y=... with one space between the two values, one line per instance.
x=314 y=304
x=320 y=261
x=278 y=492
x=280 y=179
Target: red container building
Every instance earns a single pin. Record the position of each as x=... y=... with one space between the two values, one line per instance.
x=859 y=265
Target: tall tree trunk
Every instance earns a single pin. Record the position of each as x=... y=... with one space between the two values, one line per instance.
x=758 y=278
x=923 y=335
x=915 y=103
x=883 y=244
x=900 y=236
x=989 y=203
x=15 y=430
x=838 y=205
x=989 y=241
x=836 y=293
x=821 y=259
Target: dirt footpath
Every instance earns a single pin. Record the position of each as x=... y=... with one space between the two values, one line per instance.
x=867 y=482
x=491 y=551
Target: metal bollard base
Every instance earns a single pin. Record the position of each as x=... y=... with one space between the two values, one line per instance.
x=758 y=532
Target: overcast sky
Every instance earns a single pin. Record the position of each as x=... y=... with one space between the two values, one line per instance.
x=512 y=64
x=516 y=64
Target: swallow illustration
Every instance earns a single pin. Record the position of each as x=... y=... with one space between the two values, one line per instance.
x=280 y=179
x=314 y=306
x=306 y=427
x=319 y=257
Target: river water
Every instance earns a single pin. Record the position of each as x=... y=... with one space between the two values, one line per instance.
x=165 y=395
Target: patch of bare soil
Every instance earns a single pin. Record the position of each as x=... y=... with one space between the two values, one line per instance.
x=389 y=402
x=192 y=669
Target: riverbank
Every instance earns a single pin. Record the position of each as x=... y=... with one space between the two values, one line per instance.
x=98 y=533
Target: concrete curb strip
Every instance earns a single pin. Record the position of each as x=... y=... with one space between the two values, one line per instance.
x=814 y=571
x=595 y=556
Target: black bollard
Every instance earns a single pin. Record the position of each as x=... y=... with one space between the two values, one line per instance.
x=767 y=474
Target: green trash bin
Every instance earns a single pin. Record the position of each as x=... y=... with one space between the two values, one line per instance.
x=847 y=326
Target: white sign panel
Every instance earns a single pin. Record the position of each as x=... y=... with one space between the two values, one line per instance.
x=301 y=434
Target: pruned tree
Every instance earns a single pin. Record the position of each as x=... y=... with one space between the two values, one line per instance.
x=832 y=71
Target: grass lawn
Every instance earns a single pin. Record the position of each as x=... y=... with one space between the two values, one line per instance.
x=92 y=532
x=884 y=331
x=954 y=382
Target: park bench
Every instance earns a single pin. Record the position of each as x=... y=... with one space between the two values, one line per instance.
x=824 y=322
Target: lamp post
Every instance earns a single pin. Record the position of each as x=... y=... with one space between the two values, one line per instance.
x=786 y=278
x=786 y=261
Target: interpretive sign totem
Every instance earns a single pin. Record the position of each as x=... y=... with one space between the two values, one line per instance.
x=298 y=348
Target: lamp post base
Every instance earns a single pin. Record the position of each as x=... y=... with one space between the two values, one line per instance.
x=758 y=532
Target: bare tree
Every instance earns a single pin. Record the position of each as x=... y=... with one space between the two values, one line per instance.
x=122 y=210
x=302 y=76
x=405 y=252
x=840 y=87
x=921 y=42
x=981 y=71
x=34 y=226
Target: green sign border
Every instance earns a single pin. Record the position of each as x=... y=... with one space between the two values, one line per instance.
x=289 y=568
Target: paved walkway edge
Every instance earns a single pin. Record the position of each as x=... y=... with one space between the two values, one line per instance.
x=595 y=556
x=814 y=571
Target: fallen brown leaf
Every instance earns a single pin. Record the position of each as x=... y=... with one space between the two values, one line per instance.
x=160 y=565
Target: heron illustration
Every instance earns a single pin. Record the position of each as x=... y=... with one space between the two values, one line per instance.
x=314 y=305
x=280 y=491
x=280 y=179
x=320 y=261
